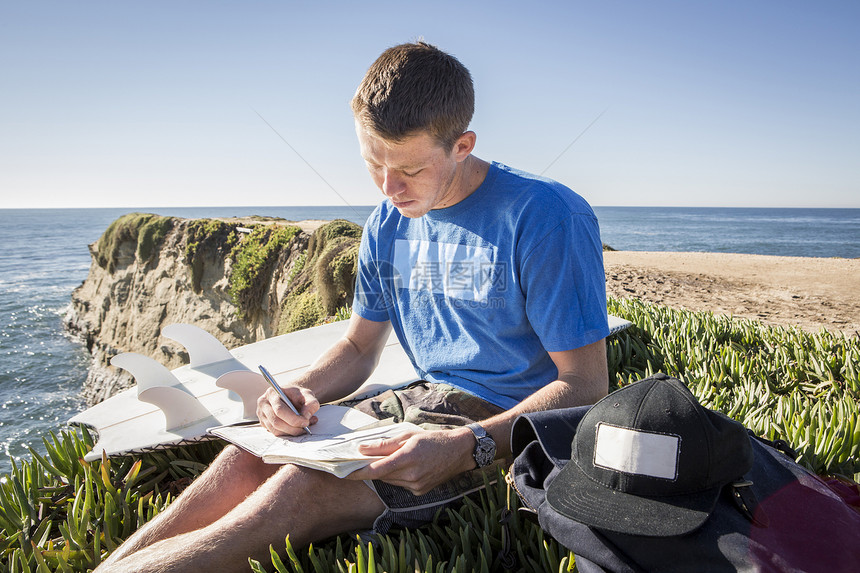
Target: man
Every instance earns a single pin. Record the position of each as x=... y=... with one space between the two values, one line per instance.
x=493 y=281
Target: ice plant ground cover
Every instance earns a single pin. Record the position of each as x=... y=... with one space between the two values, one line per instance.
x=58 y=513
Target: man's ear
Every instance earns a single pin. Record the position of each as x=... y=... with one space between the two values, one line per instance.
x=464 y=146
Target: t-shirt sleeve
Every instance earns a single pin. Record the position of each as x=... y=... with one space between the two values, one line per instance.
x=565 y=286
x=370 y=298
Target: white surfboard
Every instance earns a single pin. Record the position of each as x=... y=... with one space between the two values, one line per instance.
x=220 y=387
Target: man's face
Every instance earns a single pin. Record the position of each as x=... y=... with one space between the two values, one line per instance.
x=417 y=174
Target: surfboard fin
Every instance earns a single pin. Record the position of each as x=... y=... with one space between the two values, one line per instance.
x=158 y=386
x=248 y=385
x=203 y=348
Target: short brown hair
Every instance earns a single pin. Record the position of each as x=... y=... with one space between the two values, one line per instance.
x=415 y=87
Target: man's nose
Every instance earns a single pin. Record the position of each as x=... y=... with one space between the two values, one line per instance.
x=392 y=183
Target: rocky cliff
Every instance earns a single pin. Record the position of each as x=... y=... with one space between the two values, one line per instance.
x=241 y=280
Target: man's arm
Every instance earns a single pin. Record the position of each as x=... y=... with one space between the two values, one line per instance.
x=583 y=379
x=420 y=461
x=335 y=374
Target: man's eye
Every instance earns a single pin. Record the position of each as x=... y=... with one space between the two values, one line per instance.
x=413 y=174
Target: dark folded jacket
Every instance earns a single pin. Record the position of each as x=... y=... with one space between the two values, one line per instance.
x=788 y=518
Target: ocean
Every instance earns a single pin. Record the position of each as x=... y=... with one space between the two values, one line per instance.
x=44 y=257
x=785 y=232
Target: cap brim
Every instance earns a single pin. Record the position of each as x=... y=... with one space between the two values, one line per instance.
x=576 y=496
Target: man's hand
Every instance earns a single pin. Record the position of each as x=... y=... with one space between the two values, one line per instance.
x=279 y=419
x=419 y=461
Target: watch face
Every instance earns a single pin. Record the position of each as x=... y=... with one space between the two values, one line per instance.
x=485 y=452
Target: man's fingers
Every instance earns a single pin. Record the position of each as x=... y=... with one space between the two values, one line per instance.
x=394 y=466
x=393 y=470
x=303 y=399
x=383 y=447
x=278 y=418
x=276 y=425
x=286 y=413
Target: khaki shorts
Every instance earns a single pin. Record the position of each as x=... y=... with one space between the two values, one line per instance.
x=433 y=407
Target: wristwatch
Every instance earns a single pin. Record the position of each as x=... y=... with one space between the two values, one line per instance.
x=485 y=449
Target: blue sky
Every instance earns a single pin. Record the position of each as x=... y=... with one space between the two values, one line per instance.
x=148 y=104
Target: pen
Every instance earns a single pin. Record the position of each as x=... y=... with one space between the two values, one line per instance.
x=280 y=392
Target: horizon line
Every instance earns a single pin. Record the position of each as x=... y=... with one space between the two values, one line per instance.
x=371 y=206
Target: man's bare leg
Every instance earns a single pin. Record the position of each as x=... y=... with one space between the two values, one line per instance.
x=229 y=479
x=306 y=504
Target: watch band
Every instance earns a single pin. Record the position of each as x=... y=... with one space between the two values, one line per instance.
x=479 y=431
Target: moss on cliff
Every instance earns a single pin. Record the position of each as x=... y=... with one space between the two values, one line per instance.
x=301 y=310
x=252 y=256
x=335 y=275
x=145 y=231
x=322 y=281
x=253 y=260
x=207 y=237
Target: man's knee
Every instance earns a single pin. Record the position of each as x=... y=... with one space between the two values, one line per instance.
x=237 y=464
x=311 y=505
x=237 y=468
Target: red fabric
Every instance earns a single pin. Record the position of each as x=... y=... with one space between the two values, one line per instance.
x=809 y=531
x=847 y=490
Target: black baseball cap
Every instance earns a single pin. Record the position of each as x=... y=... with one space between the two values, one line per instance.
x=648 y=459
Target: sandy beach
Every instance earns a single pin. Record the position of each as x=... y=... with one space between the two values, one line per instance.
x=811 y=293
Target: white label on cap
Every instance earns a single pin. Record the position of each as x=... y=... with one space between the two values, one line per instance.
x=637 y=452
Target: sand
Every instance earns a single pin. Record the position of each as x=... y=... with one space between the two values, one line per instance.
x=812 y=293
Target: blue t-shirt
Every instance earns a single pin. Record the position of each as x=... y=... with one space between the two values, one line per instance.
x=478 y=292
